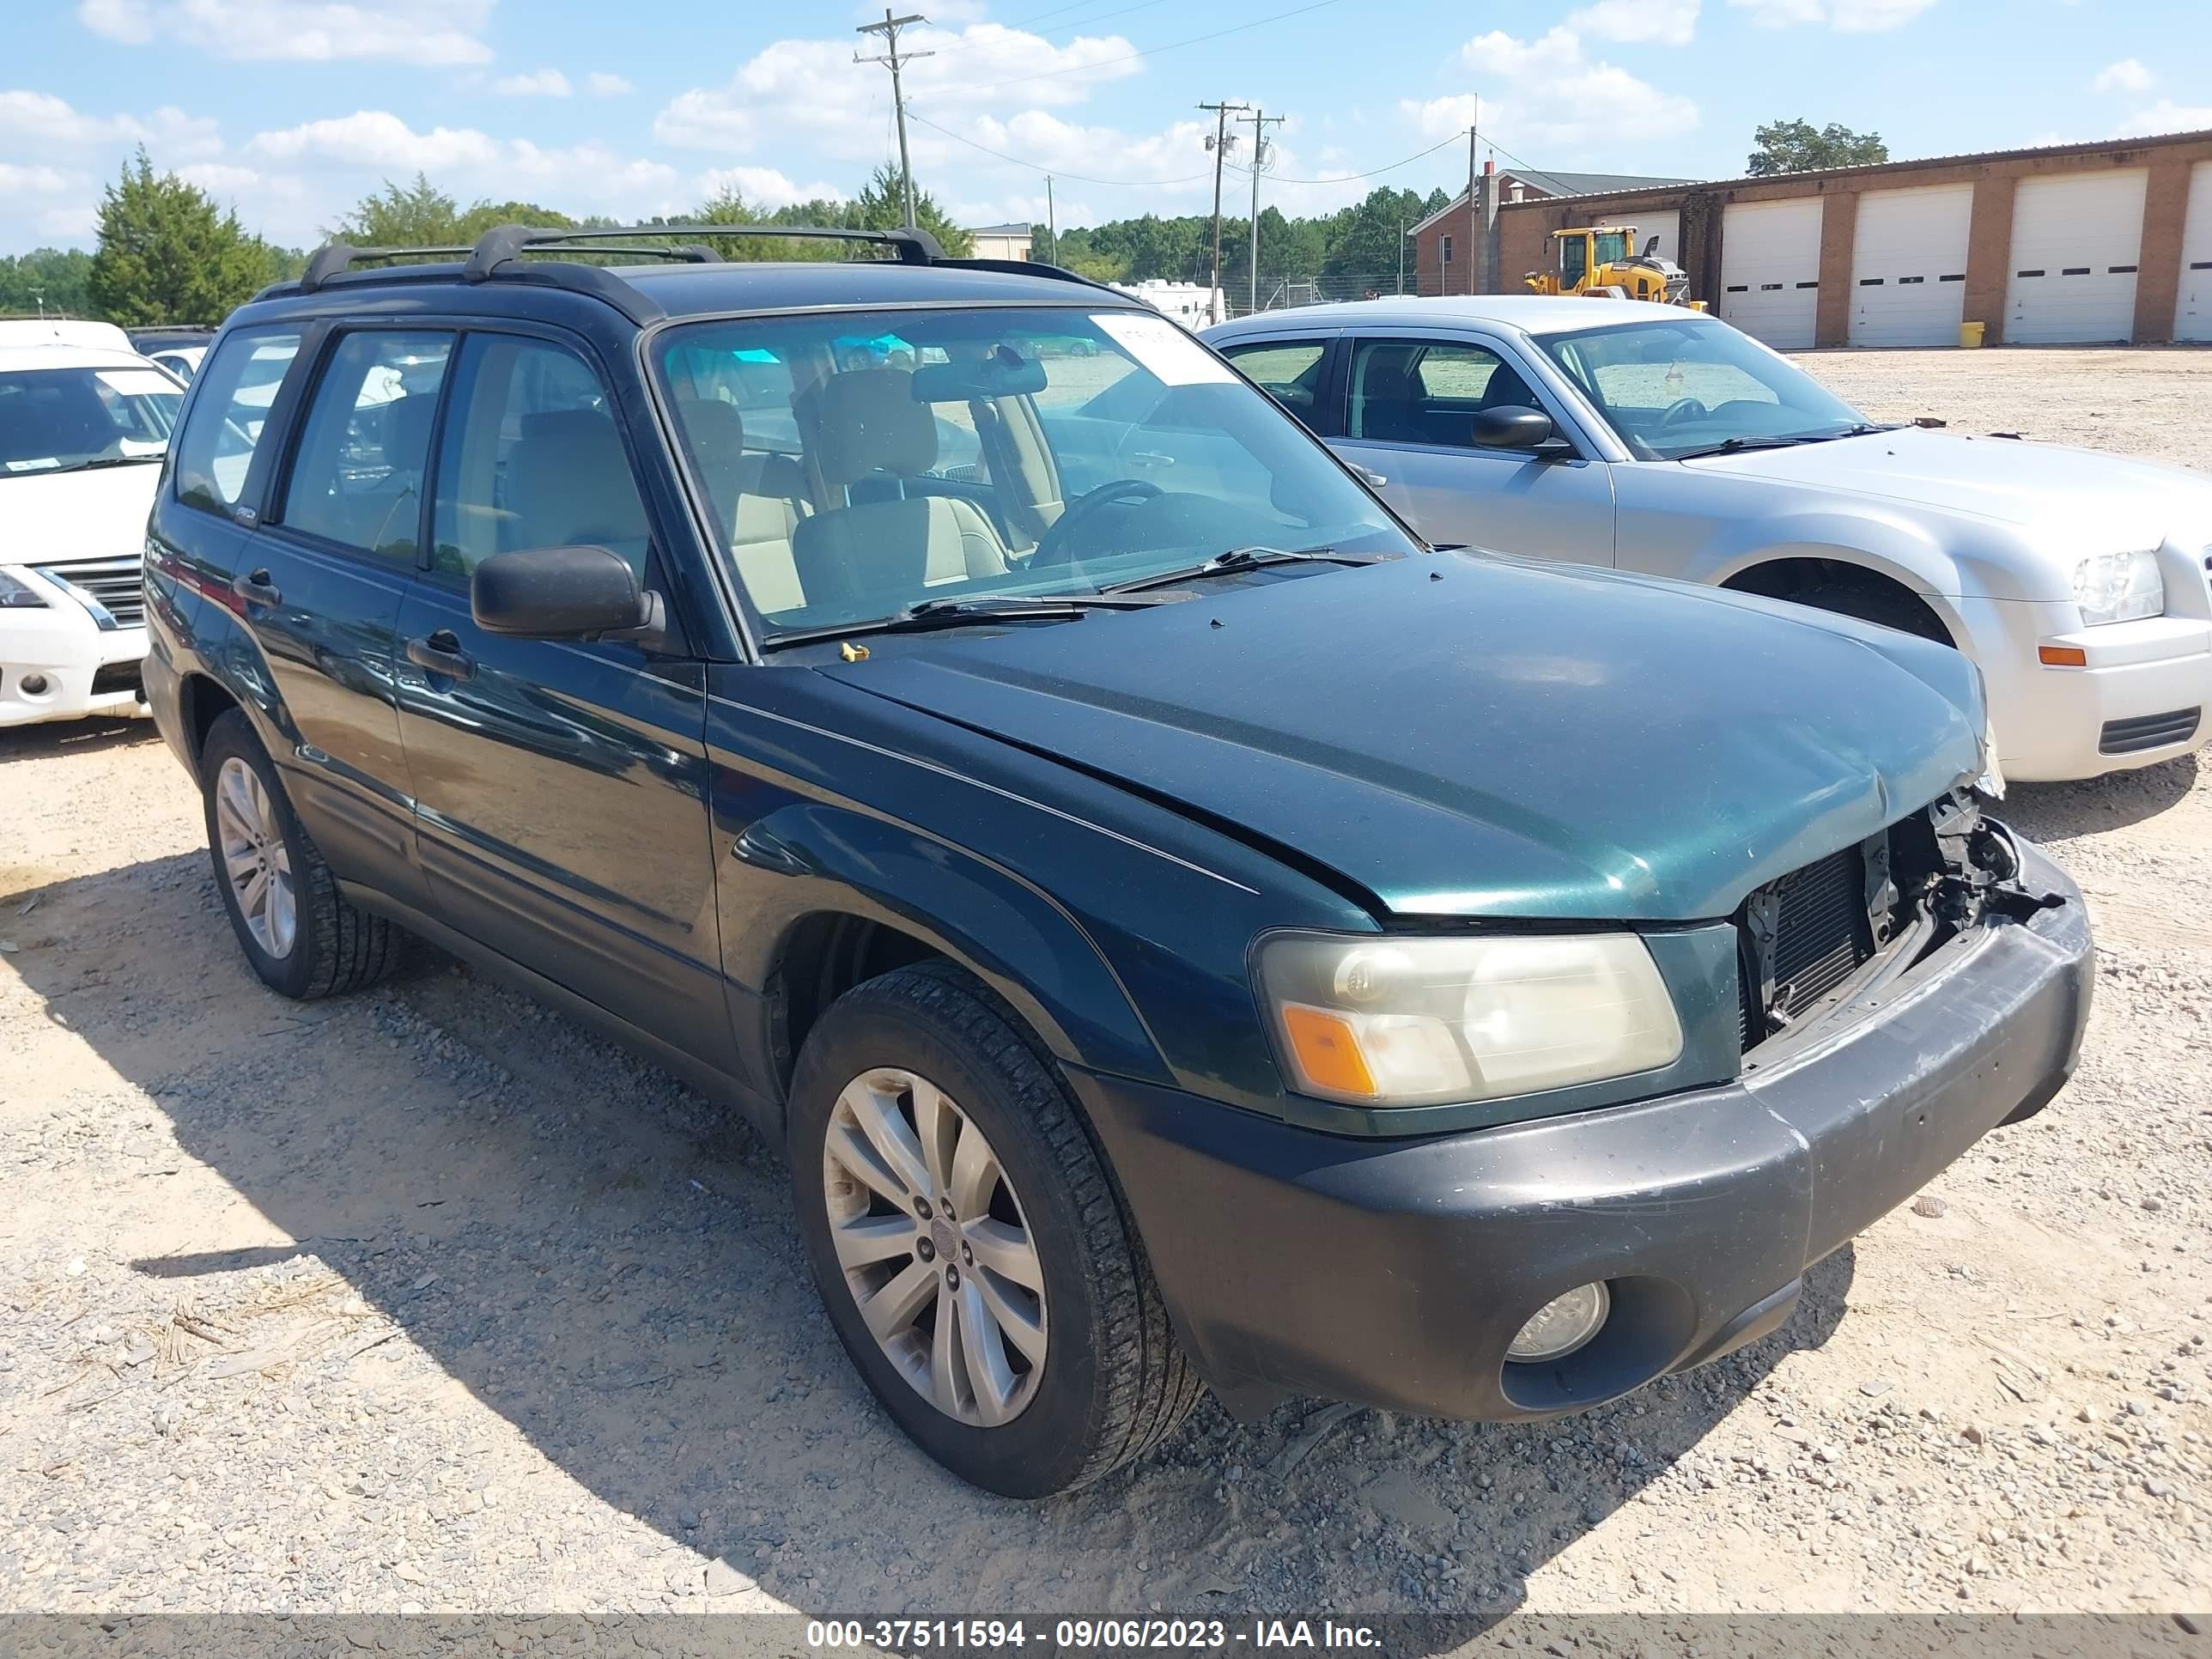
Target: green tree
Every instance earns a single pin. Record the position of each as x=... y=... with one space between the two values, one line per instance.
x=420 y=214
x=1796 y=146
x=167 y=254
x=51 y=280
x=881 y=206
x=1364 y=241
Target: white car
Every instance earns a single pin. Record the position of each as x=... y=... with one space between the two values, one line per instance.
x=183 y=361
x=1653 y=439
x=83 y=428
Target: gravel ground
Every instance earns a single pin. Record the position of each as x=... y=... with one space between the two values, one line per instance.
x=427 y=1300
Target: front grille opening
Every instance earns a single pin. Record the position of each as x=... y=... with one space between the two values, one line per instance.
x=118 y=676
x=117 y=584
x=1800 y=937
x=2141 y=731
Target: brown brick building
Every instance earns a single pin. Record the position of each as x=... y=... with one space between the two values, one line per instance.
x=2072 y=243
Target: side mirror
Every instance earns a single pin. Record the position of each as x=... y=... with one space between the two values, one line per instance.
x=1513 y=426
x=557 y=593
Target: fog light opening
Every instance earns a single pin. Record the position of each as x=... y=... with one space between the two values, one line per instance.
x=32 y=685
x=1562 y=1325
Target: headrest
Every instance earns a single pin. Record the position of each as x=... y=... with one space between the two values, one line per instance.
x=407 y=429
x=866 y=419
x=569 y=484
x=716 y=430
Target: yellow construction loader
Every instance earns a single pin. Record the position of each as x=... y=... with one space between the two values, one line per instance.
x=1596 y=260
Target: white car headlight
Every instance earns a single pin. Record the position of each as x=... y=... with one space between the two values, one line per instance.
x=2111 y=587
x=1415 y=1022
x=17 y=594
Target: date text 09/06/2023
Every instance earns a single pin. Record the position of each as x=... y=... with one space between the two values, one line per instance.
x=913 y=1635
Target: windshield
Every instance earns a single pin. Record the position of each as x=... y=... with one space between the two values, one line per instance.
x=858 y=464
x=1681 y=386
x=61 y=420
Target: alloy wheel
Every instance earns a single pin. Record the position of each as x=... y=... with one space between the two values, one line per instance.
x=935 y=1248
x=255 y=859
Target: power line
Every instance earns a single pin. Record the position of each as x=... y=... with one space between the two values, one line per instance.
x=1370 y=173
x=888 y=29
x=1035 y=166
x=965 y=45
x=1153 y=51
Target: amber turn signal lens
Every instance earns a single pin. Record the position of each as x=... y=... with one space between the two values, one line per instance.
x=2063 y=656
x=1327 y=1051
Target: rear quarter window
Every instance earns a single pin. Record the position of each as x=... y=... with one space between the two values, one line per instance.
x=222 y=433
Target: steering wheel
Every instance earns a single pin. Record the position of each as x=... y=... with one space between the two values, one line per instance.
x=1682 y=410
x=1053 y=547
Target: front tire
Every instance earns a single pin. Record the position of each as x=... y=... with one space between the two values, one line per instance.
x=970 y=1248
x=301 y=936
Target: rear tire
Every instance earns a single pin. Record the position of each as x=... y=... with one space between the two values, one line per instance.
x=1110 y=1381
x=302 y=938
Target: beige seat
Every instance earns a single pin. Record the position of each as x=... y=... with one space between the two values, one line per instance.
x=569 y=484
x=760 y=499
x=866 y=421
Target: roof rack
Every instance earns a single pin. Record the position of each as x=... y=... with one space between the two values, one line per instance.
x=502 y=248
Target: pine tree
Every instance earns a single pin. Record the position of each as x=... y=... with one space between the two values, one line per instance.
x=167 y=254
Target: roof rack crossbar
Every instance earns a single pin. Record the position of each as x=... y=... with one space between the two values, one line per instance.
x=499 y=245
x=333 y=258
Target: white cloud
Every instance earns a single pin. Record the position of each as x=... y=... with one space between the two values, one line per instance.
x=544 y=83
x=814 y=86
x=2167 y=116
x=1555 y=96
x=47 y=123
x=1846 y=17
x=1664 y=22
x=600 y=84
x=582 y=177
x=36 y=180
x=2127 y=76
x=762 y=187
x=314 y=31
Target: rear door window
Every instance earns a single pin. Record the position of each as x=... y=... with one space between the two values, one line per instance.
x=1288 y=371
x=220 y=438
x=357 y=477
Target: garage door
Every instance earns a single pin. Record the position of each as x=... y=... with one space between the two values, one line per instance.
x=1667 y=226
x=2192 y=315
x=1909 y=266
x=2074 y=241
x=1771 y=269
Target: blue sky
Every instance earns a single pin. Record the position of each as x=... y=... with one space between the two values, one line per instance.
x=292 y=109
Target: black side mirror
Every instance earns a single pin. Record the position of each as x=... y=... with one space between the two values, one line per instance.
x=1515 y=426
x=557 y=593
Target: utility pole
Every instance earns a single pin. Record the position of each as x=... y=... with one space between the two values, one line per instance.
x=1259 y=121
x=1051 y=226
x=1218 y=144
x=1473 y=211
x=888 y=29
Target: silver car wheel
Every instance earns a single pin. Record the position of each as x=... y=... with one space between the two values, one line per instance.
x=935 y=1247
x=255 y=859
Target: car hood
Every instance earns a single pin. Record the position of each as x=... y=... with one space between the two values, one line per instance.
x=1468 y=735
x=2095 y=501
x=75 y=515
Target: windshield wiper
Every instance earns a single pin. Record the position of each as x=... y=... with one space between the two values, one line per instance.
x=1242 y=558
x=1781 y=441
x=924 y=616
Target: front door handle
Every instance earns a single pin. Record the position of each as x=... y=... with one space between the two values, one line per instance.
x=255 y=588
x=441 y=653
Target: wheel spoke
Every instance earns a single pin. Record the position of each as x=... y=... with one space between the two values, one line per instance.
x=853 y=1153
x=254 y=896
x=894 y=1309
x=876 y=1113
x=1020 y=1316
x=989 y=1374
x=937 y=1125
x=1007 y=1251
x=868 y=1239
x=240 y=859
x=946 y=1367
x=975 y=1174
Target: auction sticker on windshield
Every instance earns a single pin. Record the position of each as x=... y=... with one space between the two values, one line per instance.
x=1164 y=351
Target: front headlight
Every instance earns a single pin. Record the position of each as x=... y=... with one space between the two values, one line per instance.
x=2111 y=587
x=18 y=595
x=1414 y=1022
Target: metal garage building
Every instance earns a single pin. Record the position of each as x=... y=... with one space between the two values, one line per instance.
x=2075 y=243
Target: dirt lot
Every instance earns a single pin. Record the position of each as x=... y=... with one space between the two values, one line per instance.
x=427 y=1298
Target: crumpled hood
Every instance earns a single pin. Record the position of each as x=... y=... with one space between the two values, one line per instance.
x=2096 y=502
x=1476 y=736
x=75 y=515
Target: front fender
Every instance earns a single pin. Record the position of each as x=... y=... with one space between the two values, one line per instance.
x=812 y=858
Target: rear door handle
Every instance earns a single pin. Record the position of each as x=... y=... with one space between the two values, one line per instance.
x=255 y=588
x=441 y=653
